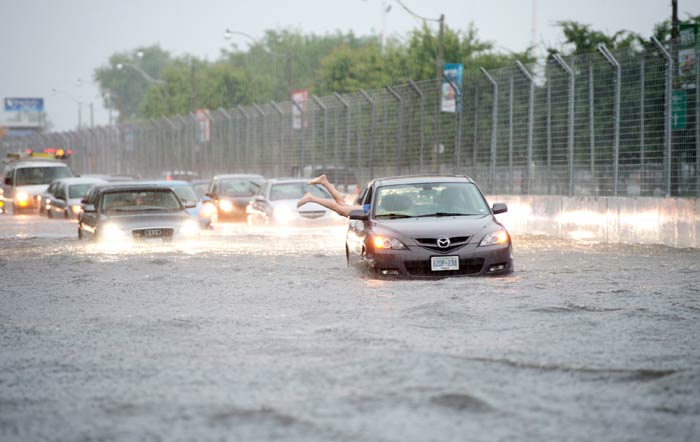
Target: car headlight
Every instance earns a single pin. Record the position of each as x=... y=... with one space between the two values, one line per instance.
x=282 y=214
x=495 y=238
x=22 y=197
x=112 y=233
x=189 y=228
x=386 y=243
x=208 y=210
x=75 y=209
x=225 y=205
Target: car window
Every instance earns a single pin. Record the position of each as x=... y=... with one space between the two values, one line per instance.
x=139 y=200
x=186 y=194
x=288 y=191
x=201 y=189
x=78 y=190
x=238 y=187
x=429 y=199
x=60 y=192
x=39 y=175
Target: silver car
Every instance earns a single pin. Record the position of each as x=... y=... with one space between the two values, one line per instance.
x=126 y=213
x=428 y=226
x=62 y=198
x=276 y=203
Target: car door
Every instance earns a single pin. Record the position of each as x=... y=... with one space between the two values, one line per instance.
x=87 y=220
x=259 y=205
x=357 y=229
x=60 y=203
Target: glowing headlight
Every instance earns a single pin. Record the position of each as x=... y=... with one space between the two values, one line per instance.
x=112 y=233
x=189 y=228
x=383 y=242
x=75 y=209
x=22 y=197
x=226 y=206
x=282 y=214
x=495 y=238
x=208 y=210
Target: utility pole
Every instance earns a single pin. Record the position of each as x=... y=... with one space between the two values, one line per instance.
x=674 y=20
x=438 y=68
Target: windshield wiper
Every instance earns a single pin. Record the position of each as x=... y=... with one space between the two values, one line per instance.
x=393 y=215
x=447 y=214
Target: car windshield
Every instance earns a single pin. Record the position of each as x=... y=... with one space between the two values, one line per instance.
x=429 y=199
x=186 y=194
x=240 y=187
x=25 y=176
x=201 y=189
x=78 y=190
x=140 y=200
x=294 y=191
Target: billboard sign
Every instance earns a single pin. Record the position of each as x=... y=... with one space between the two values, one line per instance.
x=299 y=99
x=688 y=47
x=14 y=104
x=451 y=87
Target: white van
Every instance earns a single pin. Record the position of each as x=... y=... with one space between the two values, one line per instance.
x=25 y=180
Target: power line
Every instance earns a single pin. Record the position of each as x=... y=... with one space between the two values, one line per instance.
x=420 y=17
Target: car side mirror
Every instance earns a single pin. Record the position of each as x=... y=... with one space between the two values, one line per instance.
x=211 y=195
x=499 y=208
x=88 y=208
x=359 y=215
x=259 y=198
x=190 y=204
x=8 y=181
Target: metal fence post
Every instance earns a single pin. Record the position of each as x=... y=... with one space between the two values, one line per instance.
x=530 y=121
x=261 y=138
x=301 y=112
x=476 y=125
x=421 y=116
x=372 y=129
x=399 y=135
x=668 y=94
x=549 y=134
x=281 y=120
x=494 y=128
x=570 y=141
x=244 y=149
x=324 y=108
x=616 y=104
x=697 y=123
x=510 y=134
x=642 y=128
x=591 y=116
x=346 y=105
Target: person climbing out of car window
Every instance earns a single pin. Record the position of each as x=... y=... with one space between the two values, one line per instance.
x=337 y=204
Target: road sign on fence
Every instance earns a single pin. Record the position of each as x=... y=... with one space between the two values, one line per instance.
x=679 y=103
x=24 y=104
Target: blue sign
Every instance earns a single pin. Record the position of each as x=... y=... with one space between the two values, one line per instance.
x=451 y=87
x=24 y=105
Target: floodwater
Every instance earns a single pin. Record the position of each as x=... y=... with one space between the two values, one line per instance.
x=259 y=335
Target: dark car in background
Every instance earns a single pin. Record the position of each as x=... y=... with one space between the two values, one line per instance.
x=127 y=213
x=231 y=194
x=428 y=226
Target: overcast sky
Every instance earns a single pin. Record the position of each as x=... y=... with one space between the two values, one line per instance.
x=50 y=44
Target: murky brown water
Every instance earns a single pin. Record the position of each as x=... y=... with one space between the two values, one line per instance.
x=266 y=335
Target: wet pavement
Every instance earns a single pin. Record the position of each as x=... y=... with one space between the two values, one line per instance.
x=264 y=334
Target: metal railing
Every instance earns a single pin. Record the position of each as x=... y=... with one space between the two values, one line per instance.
x=604 y=123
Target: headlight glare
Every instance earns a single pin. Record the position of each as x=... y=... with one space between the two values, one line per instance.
x=282 y=214
x=189 y=228
x=22 y=196
x=386 y=243
x=495 y=238
x=112 y=233
x=225 y=205
x=75 y=209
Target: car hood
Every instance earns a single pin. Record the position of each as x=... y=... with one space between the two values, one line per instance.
x=434 y=227
x=144 y=220
x=36 y=189
x=292 y=205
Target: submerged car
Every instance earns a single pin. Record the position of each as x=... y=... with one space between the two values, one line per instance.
x=124 y=213
x=428 y=226
x=63 y=197
x=231 y=194
x=276 y=203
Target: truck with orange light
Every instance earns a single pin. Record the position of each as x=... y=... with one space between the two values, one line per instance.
x=28 y=175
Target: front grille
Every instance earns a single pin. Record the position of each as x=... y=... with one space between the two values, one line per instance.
x=153 y=233
x=469 y=266
x=431 y=244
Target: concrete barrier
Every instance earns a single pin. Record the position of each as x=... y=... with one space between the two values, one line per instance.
x=670 y=221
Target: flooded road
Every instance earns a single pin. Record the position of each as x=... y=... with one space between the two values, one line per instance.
x=263 y=334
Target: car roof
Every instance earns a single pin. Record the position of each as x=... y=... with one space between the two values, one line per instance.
x=167 y=183
x=128 y=186
x=287 y=180
x=81 y=180
x=238 y=175
x=421 y=179
x=38 y=163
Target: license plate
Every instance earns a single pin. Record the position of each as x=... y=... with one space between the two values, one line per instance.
x=152 y=232
x=155 y=240
x=441 y=263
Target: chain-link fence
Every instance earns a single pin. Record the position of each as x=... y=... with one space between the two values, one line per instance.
x=622 y=123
